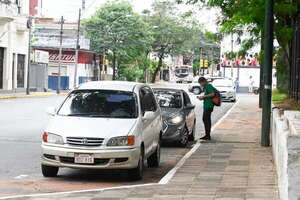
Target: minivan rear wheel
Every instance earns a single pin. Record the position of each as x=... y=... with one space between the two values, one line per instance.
x=49 y=171
x=154 y=159
x=136 y=174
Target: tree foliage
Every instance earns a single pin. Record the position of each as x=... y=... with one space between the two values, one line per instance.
x=248 y=16
x=130 y=38
x=115 y=28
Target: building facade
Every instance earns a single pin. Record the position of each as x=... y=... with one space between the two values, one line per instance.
x=13 y=44
x=46 y=37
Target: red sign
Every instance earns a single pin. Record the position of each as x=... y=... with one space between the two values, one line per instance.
x=65 y=58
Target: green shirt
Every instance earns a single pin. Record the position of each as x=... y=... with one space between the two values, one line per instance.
x=207 y=103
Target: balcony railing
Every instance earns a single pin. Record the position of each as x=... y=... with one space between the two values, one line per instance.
x=8 y=11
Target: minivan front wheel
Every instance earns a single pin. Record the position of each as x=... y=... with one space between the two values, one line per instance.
x=137 y=173
x=49 y=171
x=154 y=159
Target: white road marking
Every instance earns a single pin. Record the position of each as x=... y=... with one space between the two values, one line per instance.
x=22 y=176
x=78 y=191
x=166 y=179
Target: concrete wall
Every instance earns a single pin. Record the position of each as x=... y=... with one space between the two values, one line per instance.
x=286 y=151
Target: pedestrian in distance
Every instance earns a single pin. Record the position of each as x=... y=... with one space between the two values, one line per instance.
x=208 y=105
x=251 y=84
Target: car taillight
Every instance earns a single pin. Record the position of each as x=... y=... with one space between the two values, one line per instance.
x=45 y=137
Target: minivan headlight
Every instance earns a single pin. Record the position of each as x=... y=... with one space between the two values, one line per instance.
x=121 y=141
x=52 y=138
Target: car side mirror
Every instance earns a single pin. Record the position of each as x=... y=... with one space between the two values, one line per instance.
x=148 y=115
x=51 y=111
x=190 y=107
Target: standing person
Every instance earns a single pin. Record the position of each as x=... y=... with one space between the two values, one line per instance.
x=208 y=105
x=251 y=84
x=237 y=84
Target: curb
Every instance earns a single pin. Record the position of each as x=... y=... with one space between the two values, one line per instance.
x=30 y=96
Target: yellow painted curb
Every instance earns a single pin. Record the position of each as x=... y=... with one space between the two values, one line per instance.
x=32 y=95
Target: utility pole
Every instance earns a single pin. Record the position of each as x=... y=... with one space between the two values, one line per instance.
x=212 y=61
x=29 y=26
x=202 y=64
x=76 y=50
x=268 y=65
x=231 y=55
x=60 y=53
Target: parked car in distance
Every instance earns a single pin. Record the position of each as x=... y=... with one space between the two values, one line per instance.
x=104 y=125
x=178 y=115
x=195 y=87
x=227 y=89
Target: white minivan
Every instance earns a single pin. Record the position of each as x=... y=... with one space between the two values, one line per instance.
x=104 y=125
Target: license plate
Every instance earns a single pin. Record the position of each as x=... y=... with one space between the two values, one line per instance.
x=84 y=159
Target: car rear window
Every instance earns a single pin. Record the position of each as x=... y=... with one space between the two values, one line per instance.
x=168 y=99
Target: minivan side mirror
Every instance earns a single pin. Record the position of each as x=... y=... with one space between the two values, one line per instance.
x=51 y=111
x=148 y=115
x=190 y=107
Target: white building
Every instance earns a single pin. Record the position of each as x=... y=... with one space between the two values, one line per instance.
x=46 y=36
x=13 y=44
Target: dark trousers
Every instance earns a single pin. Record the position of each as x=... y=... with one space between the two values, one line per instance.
x=207 y=121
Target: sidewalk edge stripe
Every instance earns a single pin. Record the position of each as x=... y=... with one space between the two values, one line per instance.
x=78 y=191
x=166 y=179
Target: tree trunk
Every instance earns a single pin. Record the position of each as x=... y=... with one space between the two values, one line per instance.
x=160 y=62
x=114 y=66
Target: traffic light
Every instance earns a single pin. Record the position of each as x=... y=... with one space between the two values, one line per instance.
x=205 y=63
x=201 y=63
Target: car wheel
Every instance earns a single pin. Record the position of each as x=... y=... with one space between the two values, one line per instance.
x=154 y=159
x=192 y=135
x=184 y=138
x=196 y=90
x=136 y=174
x=49 y=171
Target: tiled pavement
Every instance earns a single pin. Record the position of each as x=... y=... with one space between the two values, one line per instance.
x=232 y=167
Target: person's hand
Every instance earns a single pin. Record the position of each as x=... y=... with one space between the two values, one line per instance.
x=200 y=97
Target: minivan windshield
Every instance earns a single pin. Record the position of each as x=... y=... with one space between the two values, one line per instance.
x=100 y=103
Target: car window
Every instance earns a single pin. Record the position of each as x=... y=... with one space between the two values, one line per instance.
x=148 y=101
x=100 y=103
x=186 y=98
x=222 y=83
x=168 y=98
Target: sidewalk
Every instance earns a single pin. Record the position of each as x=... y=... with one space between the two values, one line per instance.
x=23 y=95
x=232 y=167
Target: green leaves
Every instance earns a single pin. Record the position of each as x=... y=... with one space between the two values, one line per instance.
x=128 y=38
x=117 y=29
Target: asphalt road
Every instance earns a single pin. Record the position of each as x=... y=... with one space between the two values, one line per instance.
x=21 y=124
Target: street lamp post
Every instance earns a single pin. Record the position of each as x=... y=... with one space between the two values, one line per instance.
x=29 y=26
x=268 y=65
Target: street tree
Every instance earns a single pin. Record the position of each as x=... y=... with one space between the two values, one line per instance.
x=169 y=32
x=117 y=30
x=239 y=16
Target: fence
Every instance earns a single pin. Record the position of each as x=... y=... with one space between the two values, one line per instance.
x=294 y=83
